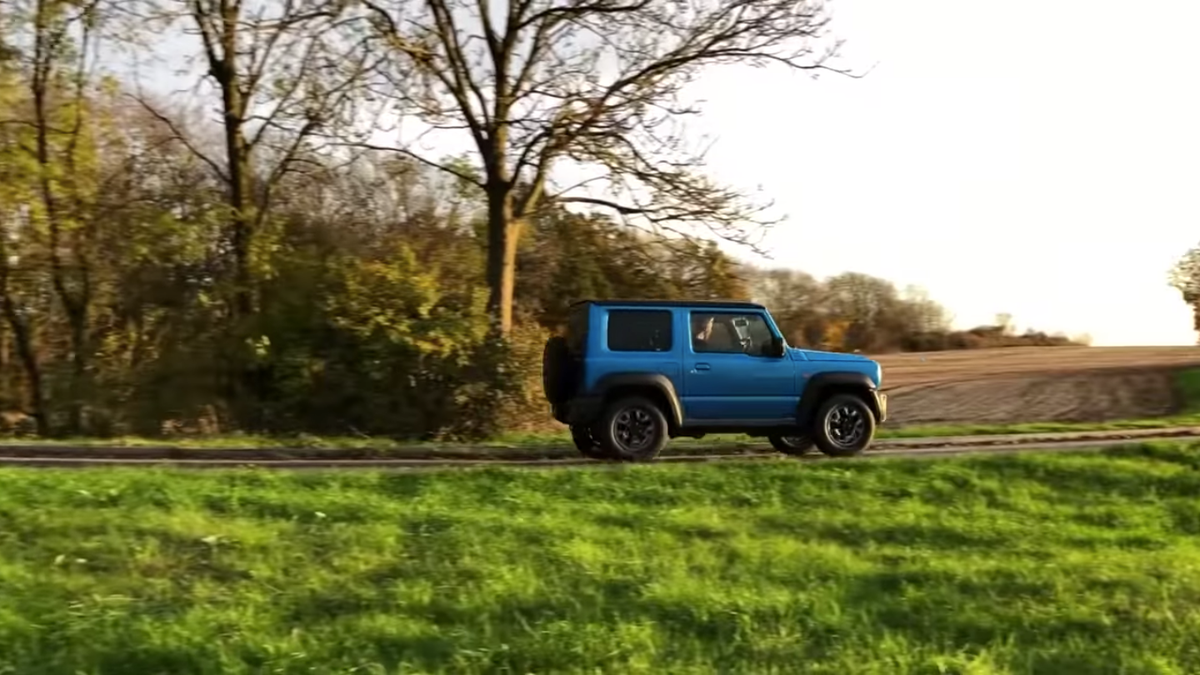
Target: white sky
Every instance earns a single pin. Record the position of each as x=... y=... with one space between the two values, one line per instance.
x=1043 y=163
x=1039 y=162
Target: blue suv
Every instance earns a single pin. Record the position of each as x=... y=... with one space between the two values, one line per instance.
x=630 y=375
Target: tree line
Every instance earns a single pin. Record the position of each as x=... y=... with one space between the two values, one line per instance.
x=276 y=267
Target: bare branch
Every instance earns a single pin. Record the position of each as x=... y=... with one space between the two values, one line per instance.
x=457 y=173
x=181 y=136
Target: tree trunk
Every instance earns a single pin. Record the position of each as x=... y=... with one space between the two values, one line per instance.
x=79 y=363
x=29 y=360
x=239 y=379
x=241 y=210
x=504 y=232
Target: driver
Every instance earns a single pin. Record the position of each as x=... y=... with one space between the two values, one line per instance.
x=702 y=328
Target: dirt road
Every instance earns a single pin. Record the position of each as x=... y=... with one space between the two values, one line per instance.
x=313 y=458
x=1031 y=384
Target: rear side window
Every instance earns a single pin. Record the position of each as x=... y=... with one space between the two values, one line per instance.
x=639 y=330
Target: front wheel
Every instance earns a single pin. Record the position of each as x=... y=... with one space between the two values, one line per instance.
x=633 y=429
x=791 y=445
x=844 y=426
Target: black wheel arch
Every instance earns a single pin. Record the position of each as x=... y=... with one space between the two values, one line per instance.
x=823 y=385
x=559 y=370
x=654 y=386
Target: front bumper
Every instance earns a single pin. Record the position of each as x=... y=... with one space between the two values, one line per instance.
x=880 y=406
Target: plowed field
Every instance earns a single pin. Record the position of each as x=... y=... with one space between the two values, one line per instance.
x=1031 y=384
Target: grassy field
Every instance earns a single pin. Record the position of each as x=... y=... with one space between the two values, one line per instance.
x=1015 y=564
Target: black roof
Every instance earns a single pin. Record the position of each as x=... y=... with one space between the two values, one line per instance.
x=725 y=304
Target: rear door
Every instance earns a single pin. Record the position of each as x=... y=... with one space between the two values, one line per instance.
x=728 y=376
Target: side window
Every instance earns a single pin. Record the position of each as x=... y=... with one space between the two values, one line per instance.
x=711 y=333
x=759 y=332
x=639 y=330
x=728 y=332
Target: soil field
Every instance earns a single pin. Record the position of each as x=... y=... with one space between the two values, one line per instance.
x=1033 y=384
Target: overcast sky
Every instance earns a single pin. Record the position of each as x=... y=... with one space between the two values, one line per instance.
x=1040 y=163
x=1044 y=163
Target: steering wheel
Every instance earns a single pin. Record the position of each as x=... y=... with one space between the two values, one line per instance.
x=747 y=344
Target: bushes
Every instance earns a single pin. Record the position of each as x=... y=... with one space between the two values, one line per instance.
x=378 y=343
x=982 y=337
x=396 y=347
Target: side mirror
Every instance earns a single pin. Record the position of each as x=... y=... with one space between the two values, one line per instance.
x=776 y=348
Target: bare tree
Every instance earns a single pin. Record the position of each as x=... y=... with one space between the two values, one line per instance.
x=537 y=84
x=927 y=315
x=284 y=71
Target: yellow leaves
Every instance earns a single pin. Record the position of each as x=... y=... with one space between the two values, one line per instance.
x=260 y=346
x=75 y=130
x=400 y=302
x=835 y=333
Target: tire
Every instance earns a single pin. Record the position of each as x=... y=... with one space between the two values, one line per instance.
x=587 y=444
x=844 y=426
x=556 y=364
x=633 y=429
x=791 y=445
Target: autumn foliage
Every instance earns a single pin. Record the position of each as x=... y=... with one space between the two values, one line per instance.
x=162 y=272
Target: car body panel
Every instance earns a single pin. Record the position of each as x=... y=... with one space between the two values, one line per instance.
x=713 y=392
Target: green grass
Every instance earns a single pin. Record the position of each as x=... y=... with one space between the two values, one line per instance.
x=1006 y=564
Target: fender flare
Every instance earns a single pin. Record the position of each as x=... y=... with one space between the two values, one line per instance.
x=821 y=383
x=656 y=381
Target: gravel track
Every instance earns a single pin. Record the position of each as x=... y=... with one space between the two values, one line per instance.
x=83 y=457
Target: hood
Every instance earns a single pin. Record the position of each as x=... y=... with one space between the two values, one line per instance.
x=816 y=355
x=835 y=361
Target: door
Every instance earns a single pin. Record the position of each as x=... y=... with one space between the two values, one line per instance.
x=730 y=378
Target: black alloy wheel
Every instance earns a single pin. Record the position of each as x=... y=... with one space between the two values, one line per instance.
x=845 y=426
x=634 y=429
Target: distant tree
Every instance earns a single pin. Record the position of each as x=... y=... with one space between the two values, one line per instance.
x=1004 y=322
x=926 y=315
x=797 y=301
x=1185 y=278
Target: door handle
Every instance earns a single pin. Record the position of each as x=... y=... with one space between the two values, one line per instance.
x=703 y=366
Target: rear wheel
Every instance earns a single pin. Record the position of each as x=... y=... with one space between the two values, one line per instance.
x=791 y=445
x=587 y=443
x=633 y=429
x=844 y=426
